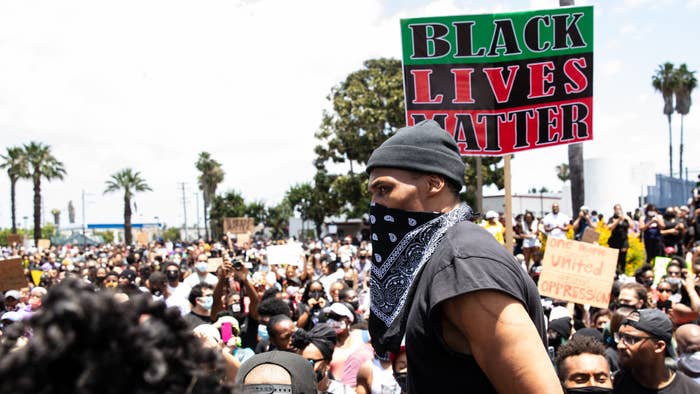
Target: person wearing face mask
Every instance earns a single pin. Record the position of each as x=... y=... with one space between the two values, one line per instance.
x=672 y=231
x=619 y=225
x=313 y=301
x=362 y=266
x=431 y=264
x=111 y=280
x=317 y=347
x=582 y=366
x=200 y=274
x=340 y=318
x=651 y=224
x=688 y=341
x=201 y=300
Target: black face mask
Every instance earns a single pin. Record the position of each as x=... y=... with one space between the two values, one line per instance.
x=355 y=304
x=315 y=294
x=648 y=282
x=588 y=389
x=402 y=380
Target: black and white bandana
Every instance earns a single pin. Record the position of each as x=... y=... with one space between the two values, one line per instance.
x=402 y=242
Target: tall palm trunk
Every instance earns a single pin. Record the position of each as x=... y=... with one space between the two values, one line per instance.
x=37 y=209
x=680 y=152
x=578 y=194
x=127 y=219
x=13 y=207
x=670 y=148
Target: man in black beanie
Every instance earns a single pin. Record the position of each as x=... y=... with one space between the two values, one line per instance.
x=470 y=315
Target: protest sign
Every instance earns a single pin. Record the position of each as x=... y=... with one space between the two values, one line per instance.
x=43 y=244
x=502 y=83
x=142 y=238
x=242 y=239
x=13 y=239
x=578 y=272
x=590 y=236
x=238 y=225
x=214 y=263
x=291 y=254
x=12 y=274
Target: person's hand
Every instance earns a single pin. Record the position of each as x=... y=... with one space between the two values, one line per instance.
x=207 y=341
x=312 y=301
x=225 y=269
x=322 y=302
x=689 y=281
x=241 y=275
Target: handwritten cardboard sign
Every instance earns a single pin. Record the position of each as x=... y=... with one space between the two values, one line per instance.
x=12 y=274
x=214 y=263
x=578 y=272
x=590 y=236
x=13 y=239
x=239 y=225
x=142 y=238
x=44 y=244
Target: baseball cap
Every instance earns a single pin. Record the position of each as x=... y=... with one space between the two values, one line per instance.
x=491 y=215
x=300 y=371
x=13 y=294
x=11 y=316
x=655 y=323
x=340 y=310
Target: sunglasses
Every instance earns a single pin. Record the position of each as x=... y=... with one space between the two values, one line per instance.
x=629 y=340
x=664 y=290
x=313 y=362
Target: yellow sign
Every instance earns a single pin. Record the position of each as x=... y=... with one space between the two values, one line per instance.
x=578 y=272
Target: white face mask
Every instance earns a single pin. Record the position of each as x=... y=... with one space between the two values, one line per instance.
x=201 y=266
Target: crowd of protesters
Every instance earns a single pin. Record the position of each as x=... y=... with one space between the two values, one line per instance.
x=160 y=318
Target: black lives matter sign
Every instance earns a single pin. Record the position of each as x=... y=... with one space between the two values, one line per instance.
x=502 y=83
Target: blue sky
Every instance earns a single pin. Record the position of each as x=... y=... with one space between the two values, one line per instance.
x=149 y=84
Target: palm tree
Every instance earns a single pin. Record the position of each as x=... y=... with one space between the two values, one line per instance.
x=563 y=172
x=211 y=174
x=131 y=182
x=685 y=83
x=15 y=162
x=42 y=164
x=665 y=82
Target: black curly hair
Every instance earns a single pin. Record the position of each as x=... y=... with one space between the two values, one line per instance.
x=87 y=342
x=577 y=346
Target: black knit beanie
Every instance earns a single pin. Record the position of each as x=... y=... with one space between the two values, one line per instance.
x=424 y=147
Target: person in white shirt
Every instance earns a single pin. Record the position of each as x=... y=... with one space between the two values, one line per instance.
x=200 y=274
x=556 y=224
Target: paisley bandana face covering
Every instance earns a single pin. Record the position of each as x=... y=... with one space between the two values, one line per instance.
x=402 y=242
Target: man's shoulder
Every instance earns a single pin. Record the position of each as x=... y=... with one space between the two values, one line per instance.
x=466 y=240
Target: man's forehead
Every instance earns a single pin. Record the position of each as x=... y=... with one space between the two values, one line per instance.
x=587 y=363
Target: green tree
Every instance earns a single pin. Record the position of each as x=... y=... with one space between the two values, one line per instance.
x=56 y=217
x=664 y=81
x=15 y=163
x=257 y=211
x=563 y=172
x=277 y=219
x=41 y=164
x=685 y=82
x=211 y=175
x=171 y=234
x=305 y=200
x=131 y=182
x=231 y=204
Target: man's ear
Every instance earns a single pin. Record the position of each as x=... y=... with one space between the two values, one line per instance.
x=436 y=184
x=660 y=346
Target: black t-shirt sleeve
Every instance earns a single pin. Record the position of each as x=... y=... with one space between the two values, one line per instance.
x=466 y=275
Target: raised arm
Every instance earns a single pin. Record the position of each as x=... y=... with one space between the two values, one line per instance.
x=503 y=341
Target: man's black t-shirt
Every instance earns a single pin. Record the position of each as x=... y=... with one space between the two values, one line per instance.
x=681 y=384
x=194 y=319
x=468 y=259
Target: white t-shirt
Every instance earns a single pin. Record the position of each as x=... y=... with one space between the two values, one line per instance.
x=552 y=220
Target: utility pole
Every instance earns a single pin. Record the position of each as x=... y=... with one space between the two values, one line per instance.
x=184 y=208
